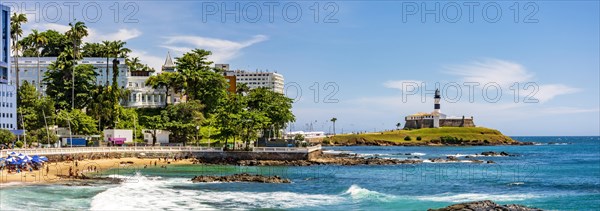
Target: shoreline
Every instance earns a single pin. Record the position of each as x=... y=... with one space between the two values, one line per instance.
x=56 y=172
x=82 y=169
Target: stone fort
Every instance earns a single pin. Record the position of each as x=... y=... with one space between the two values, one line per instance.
x=436 y=118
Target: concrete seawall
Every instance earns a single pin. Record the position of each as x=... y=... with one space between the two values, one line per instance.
x=224 y=155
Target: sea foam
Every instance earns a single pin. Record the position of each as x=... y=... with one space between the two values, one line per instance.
x=465 y=197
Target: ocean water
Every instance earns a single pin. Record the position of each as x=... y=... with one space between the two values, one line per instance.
x=560 y=173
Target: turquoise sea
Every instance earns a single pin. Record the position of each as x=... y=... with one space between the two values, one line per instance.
x=559 y=173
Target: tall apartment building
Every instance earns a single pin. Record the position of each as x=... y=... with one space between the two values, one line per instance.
x=134 y=81
x=8 y=92
x=271 y=80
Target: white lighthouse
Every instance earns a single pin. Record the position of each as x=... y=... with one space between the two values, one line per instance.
x=436 y=109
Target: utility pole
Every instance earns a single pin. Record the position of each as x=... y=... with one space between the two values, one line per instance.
x=46 y=123
x=70 y=131
x=24 y=131
x=134 y=129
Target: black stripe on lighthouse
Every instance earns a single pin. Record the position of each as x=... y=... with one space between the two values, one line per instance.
x=436 y=106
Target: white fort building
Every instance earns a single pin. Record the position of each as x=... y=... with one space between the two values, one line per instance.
x=436 y=118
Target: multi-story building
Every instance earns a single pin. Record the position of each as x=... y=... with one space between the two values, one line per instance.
x=271 y=80
x=134 y=81
x=8 y=92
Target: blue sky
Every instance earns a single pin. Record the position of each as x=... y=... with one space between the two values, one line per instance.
x=366 y=51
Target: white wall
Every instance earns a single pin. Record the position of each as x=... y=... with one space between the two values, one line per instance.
x=127 y=134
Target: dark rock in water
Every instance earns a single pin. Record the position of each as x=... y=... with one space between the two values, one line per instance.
x=484 y=206
x=491 y=153
x=452 y=158
x=244 y=177
x=490 y=161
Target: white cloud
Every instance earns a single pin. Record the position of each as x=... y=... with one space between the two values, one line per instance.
x=153 y=61
x=401 y=84
x=45 y=26
x=505 y=73
x=223 y=50
x=569 y=110
x=93 y=34
x=121 y=34
x=549 y=91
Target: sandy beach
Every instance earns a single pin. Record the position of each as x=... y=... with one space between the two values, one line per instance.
x=59 y=171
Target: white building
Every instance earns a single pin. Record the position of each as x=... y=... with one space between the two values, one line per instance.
x=271 y=80
x=134 y=81
x=118 y=137
x=162 y=136
x=8 y=92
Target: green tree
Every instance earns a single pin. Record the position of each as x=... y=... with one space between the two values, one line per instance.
x=228 y=117
x=92 y=50
x=42 y=136
x=117 y=50
x=128 y=119
x=59 y=82
x=57 y=42
x=275 y=106
x=181 y=119
x=79 y=122
x=106 y=52
x=76 y=34
x=242 y=88
x=15 y=32
x=6 y=136
x=33 y=108
x=172 y=82
x=38 y=42
x=398 y=125
x=105 y=106
x=153 y=123
x=299 y=137
x=201 y=82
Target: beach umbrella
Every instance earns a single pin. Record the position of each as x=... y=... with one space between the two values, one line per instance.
x=13 y=154
x=26 y=159
x=44 y=158
x=21 y=156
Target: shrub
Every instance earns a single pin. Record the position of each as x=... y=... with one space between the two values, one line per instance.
x=19 y=144
x=418 y=138
x=407 y=138
x=326 y=142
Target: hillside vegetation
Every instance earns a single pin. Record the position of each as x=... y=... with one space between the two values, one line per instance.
x=425 y=136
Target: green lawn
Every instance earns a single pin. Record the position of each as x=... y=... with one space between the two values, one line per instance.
x=428 y=135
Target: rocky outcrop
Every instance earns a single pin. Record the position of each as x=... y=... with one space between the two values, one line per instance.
x=492 y=153
x=244 y=177
x=485 y=206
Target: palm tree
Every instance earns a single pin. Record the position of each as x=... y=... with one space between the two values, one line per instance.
x=398 y=125
x=15 y=32
x=92 y=50
x=118 y=49
x=134 y=64
x=106 y=52
x=77 y=32
x=38 y=43
x=333 y=120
